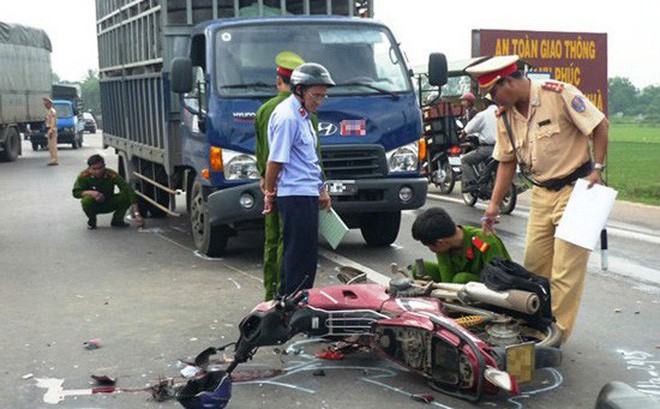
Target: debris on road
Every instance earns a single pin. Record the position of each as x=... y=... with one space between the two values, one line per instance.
x=424 y=398
x=93 y=343
x=330 y=354
x=104 y=380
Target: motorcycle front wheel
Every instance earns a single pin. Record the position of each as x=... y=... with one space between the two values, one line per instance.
x=469 y=198
x=443 y=178
x=509 y=201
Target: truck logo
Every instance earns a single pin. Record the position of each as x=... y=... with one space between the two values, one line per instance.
x=327 y=128
x=244 y=116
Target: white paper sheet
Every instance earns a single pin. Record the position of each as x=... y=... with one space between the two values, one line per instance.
x=586 y=213
x=331 y=227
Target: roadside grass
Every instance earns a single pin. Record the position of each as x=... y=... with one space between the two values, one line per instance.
x=633 y=162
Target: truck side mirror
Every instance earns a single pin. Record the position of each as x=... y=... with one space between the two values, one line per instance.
x=437 y=69
x=181 y=75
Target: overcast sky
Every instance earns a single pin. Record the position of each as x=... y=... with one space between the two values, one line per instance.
x=421 y=26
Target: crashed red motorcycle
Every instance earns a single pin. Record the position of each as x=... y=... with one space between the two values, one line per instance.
x=450 y=334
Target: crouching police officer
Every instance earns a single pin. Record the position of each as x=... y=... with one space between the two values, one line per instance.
x=95 y=187
x=461 y=251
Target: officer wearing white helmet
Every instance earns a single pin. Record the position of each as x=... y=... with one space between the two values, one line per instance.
x=294 y=181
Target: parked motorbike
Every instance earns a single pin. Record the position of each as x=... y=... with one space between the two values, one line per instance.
x=442 y=147
x=486 y=172
x=448 y=333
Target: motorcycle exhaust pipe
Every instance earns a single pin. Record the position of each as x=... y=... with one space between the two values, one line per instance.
x=516 y=300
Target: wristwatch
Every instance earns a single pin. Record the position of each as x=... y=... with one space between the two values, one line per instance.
x=599 y=166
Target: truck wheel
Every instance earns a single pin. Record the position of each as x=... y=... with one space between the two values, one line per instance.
x=12 y=146
x=209 y=240
x=380 y=229
x=74 y=144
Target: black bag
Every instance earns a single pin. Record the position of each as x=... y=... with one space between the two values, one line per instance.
x=501 y=275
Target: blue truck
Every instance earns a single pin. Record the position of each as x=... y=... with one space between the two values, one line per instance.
x=70 y=126
x=181 y=82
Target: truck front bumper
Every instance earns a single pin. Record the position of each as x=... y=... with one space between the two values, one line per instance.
x=235 y=204
x=246 y=202
x=380 y=195
x=62 y=137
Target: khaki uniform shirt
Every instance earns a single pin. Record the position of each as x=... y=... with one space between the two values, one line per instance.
x=553 y=141
x=51 y=121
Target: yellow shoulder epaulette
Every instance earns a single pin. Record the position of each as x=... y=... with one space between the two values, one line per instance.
x=553 y=86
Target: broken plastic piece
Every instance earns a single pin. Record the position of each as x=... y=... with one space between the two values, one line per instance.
x=330 y=354
x=104 y=380
x=93 y=343
x=424 y=398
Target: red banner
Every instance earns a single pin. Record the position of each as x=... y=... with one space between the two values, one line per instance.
x=576 y=58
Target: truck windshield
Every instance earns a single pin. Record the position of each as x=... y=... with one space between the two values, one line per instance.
x=63 y=110
x=362 y=58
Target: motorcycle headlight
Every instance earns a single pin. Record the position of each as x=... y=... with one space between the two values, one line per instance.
x=239 y=166
x=404 y=158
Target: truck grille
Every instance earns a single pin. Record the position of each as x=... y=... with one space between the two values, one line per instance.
x=354 y=162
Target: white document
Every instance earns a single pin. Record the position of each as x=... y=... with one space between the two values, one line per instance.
x=586 y=214
x=331 y=227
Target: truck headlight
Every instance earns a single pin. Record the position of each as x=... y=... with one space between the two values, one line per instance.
x=239 y=165
x=404 y=158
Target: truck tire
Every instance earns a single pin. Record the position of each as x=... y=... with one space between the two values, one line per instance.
x=209 y=240
x=380 y=229
x=12 y=146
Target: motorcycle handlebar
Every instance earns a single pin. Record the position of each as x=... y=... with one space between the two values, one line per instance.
x=290 y=302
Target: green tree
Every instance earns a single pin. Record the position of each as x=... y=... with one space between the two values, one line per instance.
x=622 y=96
x=650 y=104
x=90 y=92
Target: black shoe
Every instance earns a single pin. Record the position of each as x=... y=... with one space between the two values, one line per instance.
x=91 y=224
x=120 y=223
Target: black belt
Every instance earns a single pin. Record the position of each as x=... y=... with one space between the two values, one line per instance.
x=559 y=183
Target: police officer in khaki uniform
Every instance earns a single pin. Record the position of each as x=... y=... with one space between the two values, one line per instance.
x=550 y=124
x=51 y=126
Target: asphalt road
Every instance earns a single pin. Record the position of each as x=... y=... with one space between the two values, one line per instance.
x=152 y=300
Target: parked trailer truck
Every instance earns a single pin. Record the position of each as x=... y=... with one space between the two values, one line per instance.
x=25 y=78
x=181 y=82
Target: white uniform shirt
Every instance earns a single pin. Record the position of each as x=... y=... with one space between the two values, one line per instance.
x=485 y=124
